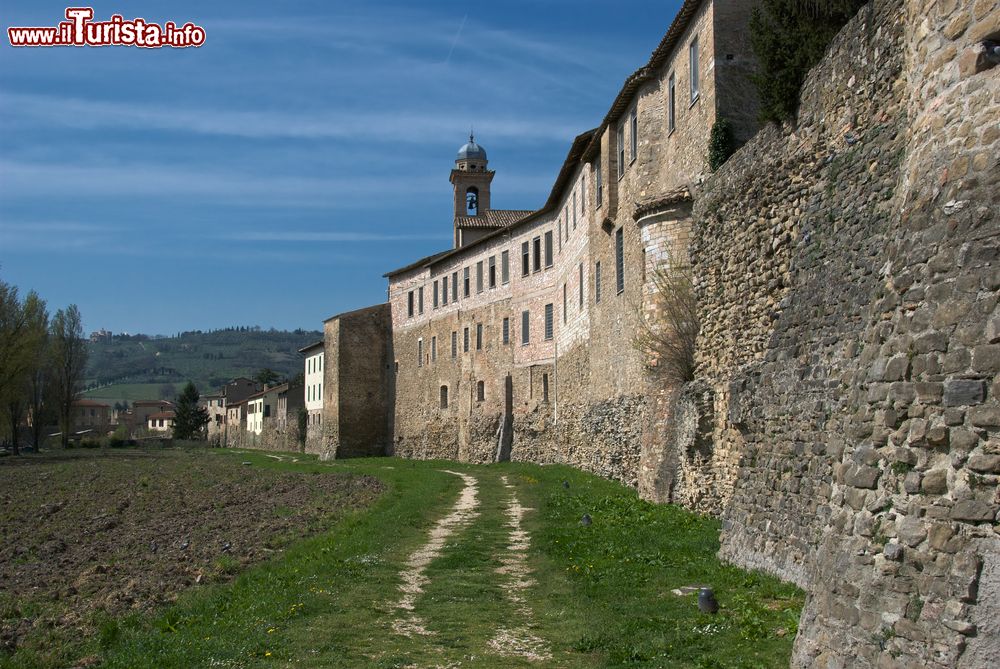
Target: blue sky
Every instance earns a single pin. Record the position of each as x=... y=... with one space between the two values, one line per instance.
x=273 y=175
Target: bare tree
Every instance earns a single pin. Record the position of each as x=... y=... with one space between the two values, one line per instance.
x=69 y=359
x=669 y=325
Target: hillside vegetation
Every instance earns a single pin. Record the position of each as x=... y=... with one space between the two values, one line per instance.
x=131 y=367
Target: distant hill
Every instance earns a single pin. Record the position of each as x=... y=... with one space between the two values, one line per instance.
x=131 y=367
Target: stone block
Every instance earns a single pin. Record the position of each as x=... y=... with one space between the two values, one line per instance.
x=974 y=511
x=983 y=463
x=964 y=392
x=939 y=535
x=893 y=551
x=935 y=482
x=986 y=359
x=861 y=476
x=985 y=416
x=897 y=369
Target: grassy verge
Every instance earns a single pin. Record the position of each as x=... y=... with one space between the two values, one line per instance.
x=601 y=595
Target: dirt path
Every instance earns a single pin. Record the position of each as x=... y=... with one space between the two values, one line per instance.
x=413 y=577
x=518 y=639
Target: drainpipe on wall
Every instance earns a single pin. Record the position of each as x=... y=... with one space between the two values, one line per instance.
x=555 y=384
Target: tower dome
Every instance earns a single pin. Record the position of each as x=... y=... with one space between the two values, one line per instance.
x=471 y=151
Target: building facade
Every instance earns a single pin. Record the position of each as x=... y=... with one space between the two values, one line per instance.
x=314 y=364
x=520 y=341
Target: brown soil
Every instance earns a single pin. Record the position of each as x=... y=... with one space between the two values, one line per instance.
x=115 y=531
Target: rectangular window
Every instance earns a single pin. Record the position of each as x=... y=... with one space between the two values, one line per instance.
x=525 y=333
x=454 y=344
x=583 y=192
x=454 y=286
x=420 y=300
x=480 y=391
x=525 y=259
x=435 y=294
x=548 y=321
x=493 y=272
x=634 y=132
x=506 y=330
x=548 y=249
x=444 y=290
x=559 y=227
x=465 y=277
x=409 y=304
x=505 y=267
x=537 y=244
x=671 y=104
x=581 y=285
x=564 y=304
x=465 y=340
x=693 y=55
x=545 y=387
x=479 y=276
x=420 y=353
x=620 y=260
x=479 y=336
x=599 y=179
x=574 y=210
x=434 y=349
x=597 y=281
x=620 y=138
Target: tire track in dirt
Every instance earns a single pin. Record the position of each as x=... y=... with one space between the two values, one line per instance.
x=413 y=577
x=518 y=640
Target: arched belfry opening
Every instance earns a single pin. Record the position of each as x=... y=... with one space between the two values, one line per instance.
x=472 y=201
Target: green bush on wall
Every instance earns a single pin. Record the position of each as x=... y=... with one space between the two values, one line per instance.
x=789 y=37
x=721 y=143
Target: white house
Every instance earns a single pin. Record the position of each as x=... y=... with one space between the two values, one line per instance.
x=314 y=365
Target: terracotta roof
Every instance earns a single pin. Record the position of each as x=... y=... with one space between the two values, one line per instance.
x=493 y=218
x=658 y=58
x=653 y=205
x=163 y=414
x=90 y=403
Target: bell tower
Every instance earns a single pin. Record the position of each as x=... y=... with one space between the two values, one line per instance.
x=471 y=180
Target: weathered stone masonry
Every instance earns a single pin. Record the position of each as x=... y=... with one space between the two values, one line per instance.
x=845 y=410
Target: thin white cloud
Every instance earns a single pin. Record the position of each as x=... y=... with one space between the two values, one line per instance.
x=133 y=182
x=136 y=181
x=339 y=237
x=380 y=127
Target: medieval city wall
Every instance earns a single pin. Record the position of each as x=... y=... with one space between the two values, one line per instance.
x=844 y=416
x=357 y=384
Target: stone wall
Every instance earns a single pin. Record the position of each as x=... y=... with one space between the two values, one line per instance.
x=358 y=395
x=845 y=411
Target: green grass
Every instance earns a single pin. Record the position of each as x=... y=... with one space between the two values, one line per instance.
x=601 y=595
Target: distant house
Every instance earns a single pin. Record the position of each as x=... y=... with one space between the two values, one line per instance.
x=143 y=409
x=315 y=364
x=290 y=401
x=90 y=415
x=236 y=417
x=261 y=407
x=215 y=407
x=161 y=423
